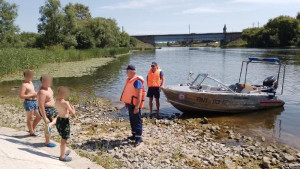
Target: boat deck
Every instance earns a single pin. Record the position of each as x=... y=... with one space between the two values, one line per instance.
x=217 y=92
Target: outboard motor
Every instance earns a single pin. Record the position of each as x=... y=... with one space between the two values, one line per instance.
x=270 y=85
x=271 y=81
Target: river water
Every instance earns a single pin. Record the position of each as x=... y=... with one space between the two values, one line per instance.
x=282 y=124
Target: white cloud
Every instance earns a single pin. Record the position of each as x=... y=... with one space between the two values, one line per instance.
x=133 y=4
x=153 y=4
x=268 y=1
x=202 y=10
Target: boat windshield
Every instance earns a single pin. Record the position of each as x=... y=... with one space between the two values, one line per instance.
x=205 y=82
x=199 y=79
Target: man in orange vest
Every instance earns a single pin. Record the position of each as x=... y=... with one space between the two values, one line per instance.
x=155 y=81
x=134 y=96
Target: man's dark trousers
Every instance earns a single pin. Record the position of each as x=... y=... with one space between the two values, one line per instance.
x=135 y=123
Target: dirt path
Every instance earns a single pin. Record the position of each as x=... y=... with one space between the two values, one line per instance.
x=17 y=150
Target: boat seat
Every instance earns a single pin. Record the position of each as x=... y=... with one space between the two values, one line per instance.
x=233 y=87
x=215 y=89
x=241 y=88
x=245 y=90
x=205 y=87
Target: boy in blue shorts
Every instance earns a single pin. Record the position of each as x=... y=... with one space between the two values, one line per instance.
x=28 y=93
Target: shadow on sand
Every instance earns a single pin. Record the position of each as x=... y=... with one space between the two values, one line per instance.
x=29 y=145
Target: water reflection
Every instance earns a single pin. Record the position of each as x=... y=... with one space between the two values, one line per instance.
x=264 y=118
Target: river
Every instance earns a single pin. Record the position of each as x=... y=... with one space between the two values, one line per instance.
x=283 y=124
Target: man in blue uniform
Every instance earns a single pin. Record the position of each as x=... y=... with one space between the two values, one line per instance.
x=132 y=96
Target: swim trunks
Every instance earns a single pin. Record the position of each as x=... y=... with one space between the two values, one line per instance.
x=50 y=114
x=30 y=105
x=63 y=127
x=154 y=92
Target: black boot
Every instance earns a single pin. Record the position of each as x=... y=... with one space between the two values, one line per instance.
x=131 y=138
x=138 y=142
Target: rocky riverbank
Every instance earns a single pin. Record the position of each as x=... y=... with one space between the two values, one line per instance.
x=168 y=143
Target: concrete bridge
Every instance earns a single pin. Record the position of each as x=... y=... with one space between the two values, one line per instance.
x=223 y=37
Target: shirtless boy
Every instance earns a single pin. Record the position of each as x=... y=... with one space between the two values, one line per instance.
x=47 y=106
x=30 y=104
x=62 y=122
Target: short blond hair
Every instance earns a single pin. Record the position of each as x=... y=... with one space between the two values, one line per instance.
x=44 y=77
x=62 y=89
x=27 y=72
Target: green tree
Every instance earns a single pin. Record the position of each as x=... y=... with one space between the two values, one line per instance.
x=74 y=14
x=70 y=19
x=251 y=36
x=84 y=41
x=280 y=31
x=285 y=27
x=28 y=39
x=52 y=23
x=105 y=32
x=133 y=42
x=298 y=16
x=8 y=14
x=70 y=41
x=82 y=12
x=124 y=39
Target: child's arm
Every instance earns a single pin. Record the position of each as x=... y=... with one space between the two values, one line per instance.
x=42 y=100
x=22 y=94
x=53 y=121
x=70 y=108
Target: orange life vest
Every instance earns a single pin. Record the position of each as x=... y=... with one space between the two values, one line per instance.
x=130 y=93
x=153 y=79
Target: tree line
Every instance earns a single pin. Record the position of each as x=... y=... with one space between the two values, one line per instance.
x=281 y=31
x=71 y=26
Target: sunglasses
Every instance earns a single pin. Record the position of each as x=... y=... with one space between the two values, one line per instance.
x=152 y=66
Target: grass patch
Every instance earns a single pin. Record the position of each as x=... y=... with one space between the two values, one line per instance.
x=143 y=49
x=239 y=43
x=190 y=161
x=107 y=162
x=177 y=154
x=14 y=60
x=11 y=100
x=104 y=160
x=79 y=97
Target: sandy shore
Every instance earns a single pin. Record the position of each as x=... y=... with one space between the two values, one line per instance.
x=168 y=143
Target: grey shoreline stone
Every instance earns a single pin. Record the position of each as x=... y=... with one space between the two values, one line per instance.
x=167 y=143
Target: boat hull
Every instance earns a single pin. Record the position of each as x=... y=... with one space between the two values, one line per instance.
x=187 y=101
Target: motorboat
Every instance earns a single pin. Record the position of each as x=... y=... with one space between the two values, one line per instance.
x=207 y=94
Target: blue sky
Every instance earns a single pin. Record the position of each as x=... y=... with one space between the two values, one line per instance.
x=171 y=16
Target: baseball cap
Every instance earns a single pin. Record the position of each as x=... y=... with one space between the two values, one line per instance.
x=153 y=64
x=130 y=67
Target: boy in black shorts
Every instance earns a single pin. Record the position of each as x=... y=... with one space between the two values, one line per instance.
x=64 y=109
